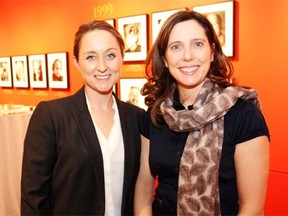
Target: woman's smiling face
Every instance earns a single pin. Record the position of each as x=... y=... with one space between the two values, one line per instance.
x=188 y=55
x=100 y=60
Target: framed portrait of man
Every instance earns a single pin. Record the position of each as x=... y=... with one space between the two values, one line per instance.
x=37 y=71
x=20 y=71
x=134 y=32
x=221 y=16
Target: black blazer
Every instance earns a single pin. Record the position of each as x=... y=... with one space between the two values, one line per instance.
x=62 y=171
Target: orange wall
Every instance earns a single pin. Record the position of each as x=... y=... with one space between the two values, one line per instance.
x=261 y=57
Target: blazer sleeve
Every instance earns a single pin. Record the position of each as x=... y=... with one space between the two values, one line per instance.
x=38 y=161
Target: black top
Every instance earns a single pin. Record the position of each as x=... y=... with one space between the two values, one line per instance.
x=243 y=122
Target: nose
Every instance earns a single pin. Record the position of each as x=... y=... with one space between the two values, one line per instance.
x=102 y=67
x=188 y=54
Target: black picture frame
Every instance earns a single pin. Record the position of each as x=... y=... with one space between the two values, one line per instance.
x=223 y=15
x=57 y=67
x=20 y=71
x=134 y=32
x=5 y=72
x=111 y=22
x=37 y=71
x=130 y=91
x=158 y=19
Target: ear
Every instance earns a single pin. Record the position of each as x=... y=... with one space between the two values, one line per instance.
x=212 y=57
x=75 y=62
x=165 y=62
x=213 y=52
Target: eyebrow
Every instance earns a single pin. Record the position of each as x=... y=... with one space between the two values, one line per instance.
x=194 y=39
x=93 y=52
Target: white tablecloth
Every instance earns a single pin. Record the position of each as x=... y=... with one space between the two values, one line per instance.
x=12 y=133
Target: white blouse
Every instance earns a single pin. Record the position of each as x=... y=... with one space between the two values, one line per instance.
x=113 y=160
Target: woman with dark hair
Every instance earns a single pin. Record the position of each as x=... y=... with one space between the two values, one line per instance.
x=208 y=140
x=82 y=152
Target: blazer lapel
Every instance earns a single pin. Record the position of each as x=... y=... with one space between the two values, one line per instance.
x=128 y=147
x=86 y=127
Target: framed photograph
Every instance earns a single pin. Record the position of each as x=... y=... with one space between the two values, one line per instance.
x=115 y=89
x=130 y=91
x=221 y=16
x=37 y=71
x=5 y=72
x=134 y=32
x=57 y=70
x=111 y=22
x=158 y=18
x=20 y=71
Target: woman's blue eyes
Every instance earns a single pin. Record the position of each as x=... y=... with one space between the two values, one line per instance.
x=108 y=56
x=195 y=45
x=90 y=57
x=175 y=47
x=111 y=55
x=198 y=44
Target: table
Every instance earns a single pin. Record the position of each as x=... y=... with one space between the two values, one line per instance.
x=12 y=133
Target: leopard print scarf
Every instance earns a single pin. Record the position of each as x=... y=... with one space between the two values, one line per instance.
x=198 y=190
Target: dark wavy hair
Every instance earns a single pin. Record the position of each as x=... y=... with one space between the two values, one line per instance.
x=95 y=25
x=159 y=78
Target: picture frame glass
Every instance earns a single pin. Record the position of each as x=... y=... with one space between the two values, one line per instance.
x=130 y=91
x=134 y=32
x=158 y=19
x=221 y=16
x=57 y=70
x=5 y=72
x=37 y=71
x=111 y=22
x=20 y=71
